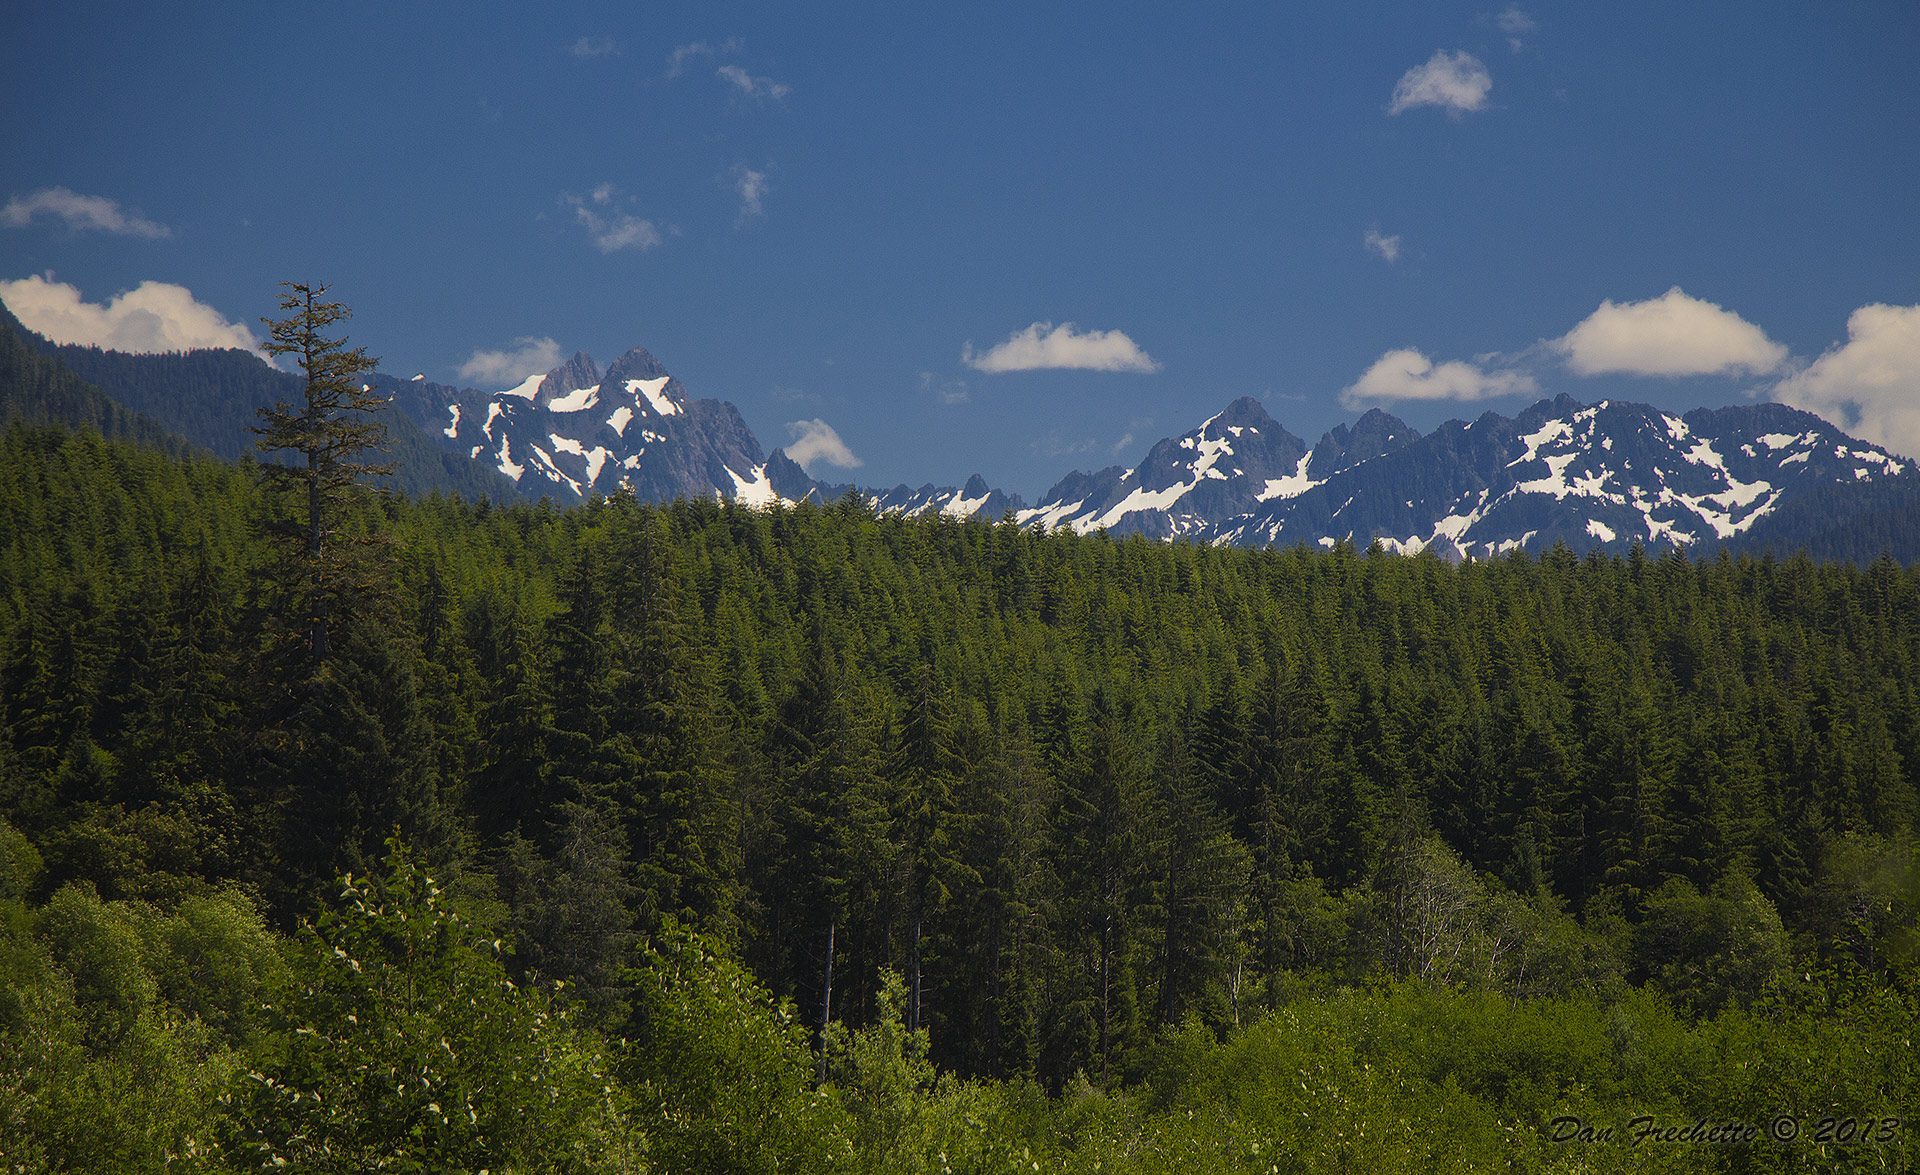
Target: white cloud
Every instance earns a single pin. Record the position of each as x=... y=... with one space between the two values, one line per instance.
x=81 y=212
x=1455 y=82
x=677 y=60
x=752 y=186
x=611 y=229
x=1871 y=384
x=1673 y=334
x=527 y=357
x=1387 y=247
x=754 y=87
x=815 y=440
x=1046 y=345
x=947 y=391
x=151 y=318
x=1517 y=25
x=594 y=47
x=1406 y=374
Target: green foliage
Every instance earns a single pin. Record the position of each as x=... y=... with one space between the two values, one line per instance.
x=20 y=864
x=100 y=1070
x=1705 y=950
x=722 y=1071
x=1369 y=861
x=406 y=1047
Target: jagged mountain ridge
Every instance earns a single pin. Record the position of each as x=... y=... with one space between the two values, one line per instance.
x=1602 y=475
x=576 y=432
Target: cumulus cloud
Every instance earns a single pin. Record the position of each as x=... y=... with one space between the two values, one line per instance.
x=611 y=229
x=1673 y=334
x=1455 y=82
x=1869 y=385
x=1046 y=345
x=1387 y=247
x=815 y=440
x=754 y=87
x=1406 y=374
x=152 y=317
x=1517 y=25
x=752 y=186
x=594 y=47
x=81 y=213
x=527 y=357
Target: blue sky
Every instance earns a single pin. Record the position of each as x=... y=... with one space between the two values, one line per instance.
x=884 y=217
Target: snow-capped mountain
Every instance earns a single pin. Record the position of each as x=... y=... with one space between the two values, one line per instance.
x=574 y=432
x=1188 y=485
x=976 y=499
x=1602 y=475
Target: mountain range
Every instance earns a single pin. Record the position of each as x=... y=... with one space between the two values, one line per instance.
x=1603 y=475
x=1592 y=476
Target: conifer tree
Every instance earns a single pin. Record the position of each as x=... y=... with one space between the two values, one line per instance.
x=327 y=436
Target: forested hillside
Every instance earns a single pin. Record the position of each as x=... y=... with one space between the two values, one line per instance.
x=1161 y=854
x=212 y=398
x=39 y=390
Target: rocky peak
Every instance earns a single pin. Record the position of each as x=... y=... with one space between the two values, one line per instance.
x=1370 y=436
x=635 y=364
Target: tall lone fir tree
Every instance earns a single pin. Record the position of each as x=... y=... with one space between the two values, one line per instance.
x=331 y=431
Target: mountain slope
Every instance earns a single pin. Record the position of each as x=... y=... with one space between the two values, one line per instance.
x=211 y=397
x=574 y=432
x=1605 y=475
x=1187 y=485
x=40 y=390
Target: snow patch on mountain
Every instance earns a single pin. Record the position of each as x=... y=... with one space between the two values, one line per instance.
x=526 y=389
x=653 y=390
x=1292 y=485
x=578 y=400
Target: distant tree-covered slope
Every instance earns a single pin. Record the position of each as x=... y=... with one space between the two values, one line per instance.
x=40 y=390
x=1844 y=523
x=212 y=398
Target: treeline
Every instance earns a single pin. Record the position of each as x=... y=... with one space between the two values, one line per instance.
x=1073 y=792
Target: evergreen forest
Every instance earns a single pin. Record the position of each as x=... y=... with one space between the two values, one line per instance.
x=699 y=837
